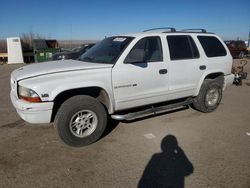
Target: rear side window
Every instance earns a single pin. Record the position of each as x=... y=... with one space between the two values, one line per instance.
x=182 y=47
x=212 y=46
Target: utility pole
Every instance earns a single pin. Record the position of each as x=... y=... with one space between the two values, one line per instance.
x=71 y=35
x=249 y=39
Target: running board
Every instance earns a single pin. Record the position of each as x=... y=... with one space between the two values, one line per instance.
x=151 y=111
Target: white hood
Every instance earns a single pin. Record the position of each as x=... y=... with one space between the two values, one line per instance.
x=54 y=67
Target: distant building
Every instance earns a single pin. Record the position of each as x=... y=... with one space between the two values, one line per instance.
x=29 y=49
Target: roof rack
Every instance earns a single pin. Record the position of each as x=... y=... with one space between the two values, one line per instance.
x=201 y=30
x=160 y=28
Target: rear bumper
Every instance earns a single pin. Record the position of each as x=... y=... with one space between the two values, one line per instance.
x=32 y=112
x=228 y=80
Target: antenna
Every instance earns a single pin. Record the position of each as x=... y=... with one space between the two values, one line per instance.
x=71 y=35
x=249 y=39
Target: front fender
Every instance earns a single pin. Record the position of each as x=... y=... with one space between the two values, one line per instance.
x=60 y=89
x=49 y=86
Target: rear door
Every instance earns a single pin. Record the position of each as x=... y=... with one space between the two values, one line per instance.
x=185 y=66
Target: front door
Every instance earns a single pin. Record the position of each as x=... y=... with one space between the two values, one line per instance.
x=142 y=78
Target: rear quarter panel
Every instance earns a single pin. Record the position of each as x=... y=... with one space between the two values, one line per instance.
x=222 y=64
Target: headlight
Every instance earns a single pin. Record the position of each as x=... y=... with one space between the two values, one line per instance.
x=28 y=94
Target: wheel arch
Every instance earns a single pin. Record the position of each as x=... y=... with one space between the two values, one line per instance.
x=94 y=91
x=210 y=75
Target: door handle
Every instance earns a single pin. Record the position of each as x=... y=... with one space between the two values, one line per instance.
x=203 y=67
x=163 y=71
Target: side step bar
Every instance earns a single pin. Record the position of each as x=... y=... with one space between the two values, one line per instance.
x=151 y=111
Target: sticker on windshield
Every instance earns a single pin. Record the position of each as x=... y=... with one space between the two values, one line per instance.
x=119 y=39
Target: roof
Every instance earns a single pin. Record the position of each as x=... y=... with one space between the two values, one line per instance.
x=157 y=31
x=146 y=34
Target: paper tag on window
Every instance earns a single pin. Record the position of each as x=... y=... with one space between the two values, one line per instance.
x=119 y=39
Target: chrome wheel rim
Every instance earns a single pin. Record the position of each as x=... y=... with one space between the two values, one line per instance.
x=212 y=97
x=83 y=123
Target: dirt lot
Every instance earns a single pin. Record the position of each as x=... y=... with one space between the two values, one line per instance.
x=214 y=149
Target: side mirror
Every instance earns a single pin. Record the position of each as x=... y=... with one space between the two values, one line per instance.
x=135 y=56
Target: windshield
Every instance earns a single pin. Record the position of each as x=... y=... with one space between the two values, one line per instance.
x=107 y=51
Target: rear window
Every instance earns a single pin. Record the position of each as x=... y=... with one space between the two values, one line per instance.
x=182 y=47
x=212 y=46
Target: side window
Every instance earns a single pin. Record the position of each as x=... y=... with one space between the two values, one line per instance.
x=153 y=49
x=182 y=47
x=147 y=49
x=212 y=46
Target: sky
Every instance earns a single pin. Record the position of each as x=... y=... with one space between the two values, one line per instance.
x=93 y=20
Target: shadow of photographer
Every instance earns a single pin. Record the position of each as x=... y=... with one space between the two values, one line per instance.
x=168 y=168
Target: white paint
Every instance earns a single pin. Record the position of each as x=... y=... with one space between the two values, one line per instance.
x=248 y=134
x=127 y=85
x=119 y=39
x=15 y=52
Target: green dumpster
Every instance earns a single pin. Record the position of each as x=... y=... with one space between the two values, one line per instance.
x=44 y=49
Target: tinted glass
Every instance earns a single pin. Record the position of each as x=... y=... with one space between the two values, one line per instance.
x=194 y=48
x=107 y=51
x=212 y=46
x=182 y=47
x=153 y=49
x=151 y=46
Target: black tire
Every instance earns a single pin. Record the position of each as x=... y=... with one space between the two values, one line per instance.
x=70 y=109
x=244 y=75
x=241 y=54
x=201 y=102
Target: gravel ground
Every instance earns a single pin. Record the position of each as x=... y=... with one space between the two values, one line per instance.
x=214 y=149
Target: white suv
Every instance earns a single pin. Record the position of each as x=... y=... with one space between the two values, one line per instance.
x=127 y=77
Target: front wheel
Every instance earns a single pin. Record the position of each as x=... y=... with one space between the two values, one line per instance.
x=80 y=121
x=209 y=96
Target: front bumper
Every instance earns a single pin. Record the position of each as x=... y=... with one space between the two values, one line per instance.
x=32 y=112
x=228 y=80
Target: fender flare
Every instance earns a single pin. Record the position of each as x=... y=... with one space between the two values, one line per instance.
x=204 y=76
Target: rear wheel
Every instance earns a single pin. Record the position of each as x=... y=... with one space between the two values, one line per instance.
x=80 y=121
x=209 y=96
x=242 y=55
